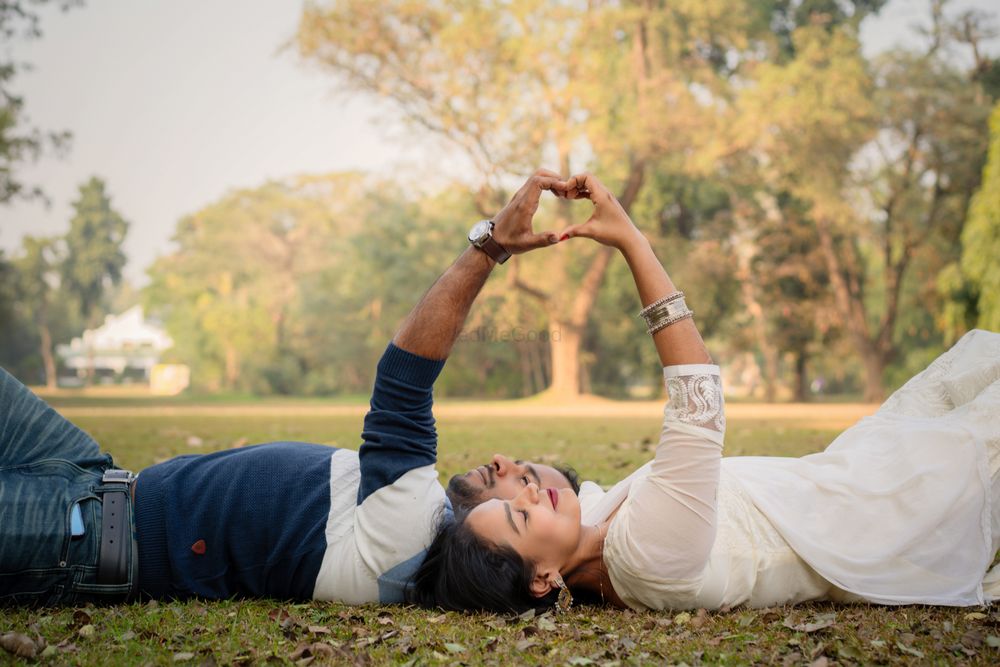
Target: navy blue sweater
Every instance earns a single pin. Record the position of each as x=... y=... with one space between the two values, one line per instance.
x=298 y=520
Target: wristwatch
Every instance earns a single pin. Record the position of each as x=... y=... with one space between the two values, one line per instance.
x=481 y=236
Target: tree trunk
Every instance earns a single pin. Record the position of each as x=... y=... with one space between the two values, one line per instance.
x=524 y=360
x=565 y=340
x=849 y=300
x=801 y=380
x=566 y=333
x=536 y=367
x=232 y=367
x=767 y=347
x=566 y=326
x=45 y=347
x=874 y=363
x=745 y=246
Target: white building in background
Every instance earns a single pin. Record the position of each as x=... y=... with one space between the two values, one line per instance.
x=125 y=347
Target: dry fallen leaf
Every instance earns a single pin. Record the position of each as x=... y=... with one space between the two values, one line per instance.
x=910 y=650
x=820 y=622
x=321 y=650
x=973 y=638
x=18 y=644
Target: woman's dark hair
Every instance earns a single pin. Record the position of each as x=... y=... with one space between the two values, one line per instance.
x=463 y=572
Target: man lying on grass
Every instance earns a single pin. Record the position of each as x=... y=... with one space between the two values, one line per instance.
x=284 y=520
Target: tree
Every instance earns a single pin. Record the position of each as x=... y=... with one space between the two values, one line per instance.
x=793 y=284
x=94 y=257
x=233 y=292
x=8 y=294
x=20 y=144
x=974 y=283
x=513 y=85
x=37 y=280
x=886 y=161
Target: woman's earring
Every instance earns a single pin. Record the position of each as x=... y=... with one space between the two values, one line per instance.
x=565 y=599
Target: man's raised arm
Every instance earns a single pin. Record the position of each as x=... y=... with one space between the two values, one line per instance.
x=399 y=434
x=433 y=325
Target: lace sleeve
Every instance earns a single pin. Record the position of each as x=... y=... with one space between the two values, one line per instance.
x=666 y=528
x=694 y=399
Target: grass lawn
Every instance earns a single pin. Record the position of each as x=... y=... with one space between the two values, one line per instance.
x=603 y=444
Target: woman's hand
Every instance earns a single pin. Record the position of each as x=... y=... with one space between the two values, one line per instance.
x=610 y=224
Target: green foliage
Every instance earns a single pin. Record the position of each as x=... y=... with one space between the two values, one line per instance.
x=20 y=144
x=94 y=257
x=297 y=286
x=974 y=283
x=9 y=328
x=60 y=285
x=38 y=305
x=229 y=292
x=884 y=155
x=635 y=91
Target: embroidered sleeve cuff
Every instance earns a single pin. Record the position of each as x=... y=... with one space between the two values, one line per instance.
x=409 y=368
x=694 y=397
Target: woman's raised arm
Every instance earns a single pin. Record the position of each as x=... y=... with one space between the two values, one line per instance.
x=679 y=343
x=663 y=536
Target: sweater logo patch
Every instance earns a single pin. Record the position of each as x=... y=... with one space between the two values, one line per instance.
x=199 y=547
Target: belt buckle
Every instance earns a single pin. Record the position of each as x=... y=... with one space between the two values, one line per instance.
x=117 y=476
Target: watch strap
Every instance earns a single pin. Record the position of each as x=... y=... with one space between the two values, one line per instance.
x=490 y=246
x=494 y=249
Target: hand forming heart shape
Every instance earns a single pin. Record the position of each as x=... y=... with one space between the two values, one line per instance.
x=609 y=224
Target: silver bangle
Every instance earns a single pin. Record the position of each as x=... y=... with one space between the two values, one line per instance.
x=666 y=311
x=665 y=307
x=667 y=321
x=673 y=296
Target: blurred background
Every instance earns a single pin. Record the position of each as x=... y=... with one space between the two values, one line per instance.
x=246 y=198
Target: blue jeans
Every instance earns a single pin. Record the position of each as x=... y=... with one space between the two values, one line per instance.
x=46 y=466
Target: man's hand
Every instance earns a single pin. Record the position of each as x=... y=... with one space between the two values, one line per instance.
x=433 y=325
x=513 y=224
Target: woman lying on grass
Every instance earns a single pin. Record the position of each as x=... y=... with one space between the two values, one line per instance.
x=898 y=510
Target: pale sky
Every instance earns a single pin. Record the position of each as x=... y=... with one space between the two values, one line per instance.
x=174 y=103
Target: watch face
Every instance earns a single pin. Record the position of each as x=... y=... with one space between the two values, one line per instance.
x=479 y=231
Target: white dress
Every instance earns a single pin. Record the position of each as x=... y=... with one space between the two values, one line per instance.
x=897 y=510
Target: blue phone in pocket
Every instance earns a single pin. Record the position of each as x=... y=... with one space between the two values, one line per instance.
x=76 y=521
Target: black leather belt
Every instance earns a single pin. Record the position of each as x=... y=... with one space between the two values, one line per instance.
x=113 y=562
